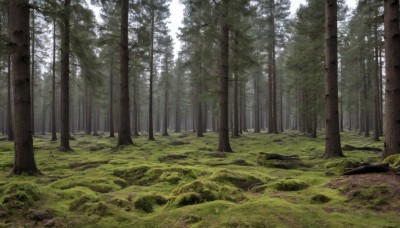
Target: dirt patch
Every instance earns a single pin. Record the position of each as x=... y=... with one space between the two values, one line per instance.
x=375 y=191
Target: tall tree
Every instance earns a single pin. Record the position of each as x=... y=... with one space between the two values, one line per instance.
x=150 y=122
x=224 y=144
x=65 y=50
x=392 y=95
x=24 y=160
x=53 y=89
x=332 y=140
x=124 y=131
x=10 y=130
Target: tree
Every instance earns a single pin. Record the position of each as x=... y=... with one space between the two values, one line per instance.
x=150 y=127
x=332 y=140
x=53 y=89
x=392 y=95
x=224 y=145
x=24 y=160
x=124 y=131
x=10 y=130
x=65 y=50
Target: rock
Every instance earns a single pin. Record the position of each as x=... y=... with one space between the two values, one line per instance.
x=38 y=215
x=49 y=223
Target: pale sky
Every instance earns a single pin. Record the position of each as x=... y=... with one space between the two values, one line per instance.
x=177 y=8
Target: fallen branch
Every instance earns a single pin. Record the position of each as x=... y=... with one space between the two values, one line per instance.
x=378 y=168
x=366 y=148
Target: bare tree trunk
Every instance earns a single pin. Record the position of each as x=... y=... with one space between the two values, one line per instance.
x=18 y=27
x=332 y=141
x=111 y=111
x=53 y=88
x=166 y=109
x=151 y=134
x=65 y=45
x=124 y=131
x=257 y=104
x=136 y=118
x=33 y=40
x=10 y=130
x=224 y=145
x=392 y=95
x=376 y=79
x=236 y=91
x=178 y=105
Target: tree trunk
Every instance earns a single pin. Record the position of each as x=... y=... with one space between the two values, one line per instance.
x=178 y=105
x=236 y=90
x=18 y=27
x=33 y=40
x=124 y=131
x=199 y=106
x=135 y=106
x=10 y=130
x=65 y=38
x=376 y=84
x=53 y=88
x=111 y=114
x=166 y=109
x=257 y=105
x=332 y=141
x=150 y=128
x=392 y=95
x=224 y=145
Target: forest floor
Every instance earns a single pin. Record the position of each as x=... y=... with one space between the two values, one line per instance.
x=181 y=181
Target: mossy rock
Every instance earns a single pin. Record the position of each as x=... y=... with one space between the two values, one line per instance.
x=393 y=160
x=147 y=202
x=320 y=198
x=201 y=191
x=145 y=176
x=20 y=195
x=290 y=185
x=102 y=185
x=240 y=180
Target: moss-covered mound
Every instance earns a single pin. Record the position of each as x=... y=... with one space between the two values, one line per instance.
x=291 y=185
x=19 y=195
x=201 y=191
x=394 y=161
x=147 y=202
x=241 y=180
x=146 y=176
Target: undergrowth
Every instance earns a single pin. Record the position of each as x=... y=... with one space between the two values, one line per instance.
x=182 y=181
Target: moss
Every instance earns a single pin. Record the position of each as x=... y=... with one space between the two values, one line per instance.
x=200 y=191
x=102 y=185
x=241 y=180
x=372 y=196
x=394 y=161
x=341 y=165
x=291 y=185
x=320 y=198
x=78 y=203
x=147 y=202
x=20 y=195
x=146 y=176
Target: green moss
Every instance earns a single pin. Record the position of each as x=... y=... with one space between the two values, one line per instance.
x=145 y=176
x=200 y=191
x=320 y=198
x=394 y=161
x=372 y=196
x=242 y=180
x=291 y=185
x=147 y=202
x=97 y=184
x=20 y=195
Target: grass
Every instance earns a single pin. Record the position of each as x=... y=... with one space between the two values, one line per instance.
x=181 y=181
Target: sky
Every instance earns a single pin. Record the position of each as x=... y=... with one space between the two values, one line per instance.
x=177 y=8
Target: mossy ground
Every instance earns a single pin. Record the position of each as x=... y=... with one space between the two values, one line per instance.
x=181 y=181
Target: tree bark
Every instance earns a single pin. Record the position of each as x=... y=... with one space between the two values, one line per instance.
x=236 y=90
x=10 y=131
x=124 y=131
x=111 y=114
x=224 y=145
x=150 y=128
x=33 y=40
x=392 y=94
x=332 y=140
x=376 y=80
x=65 y=46
x=53 y=88
x=166 y=100
x=18 y=27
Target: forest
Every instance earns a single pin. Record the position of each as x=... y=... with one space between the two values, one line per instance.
x=254 y=114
